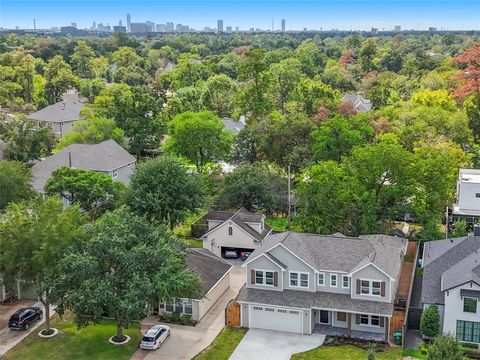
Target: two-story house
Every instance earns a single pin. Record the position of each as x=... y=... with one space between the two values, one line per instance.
x=107 y=157
x=336 y=285
x=451 y=280
x=467 y=200
x=237 y=231
x=60 y=116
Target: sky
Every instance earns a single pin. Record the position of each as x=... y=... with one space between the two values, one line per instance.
x=299 y=14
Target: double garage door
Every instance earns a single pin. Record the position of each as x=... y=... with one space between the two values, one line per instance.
x=272 y=318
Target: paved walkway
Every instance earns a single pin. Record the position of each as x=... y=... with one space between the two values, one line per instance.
x=274 y=345
x=10 y=338
x=187 y=341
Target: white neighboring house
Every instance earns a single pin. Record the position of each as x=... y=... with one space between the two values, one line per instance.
x=467 y=203
x=360 y=104
x=107 y=157
x=241 y=230
x=451 y=280
x=214 y=273
x=60 y=116
x=336 y=285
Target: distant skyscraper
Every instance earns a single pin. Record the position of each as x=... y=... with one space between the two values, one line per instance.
x=161 y=28
x=73 y=25
x=236 y=29
x=170 y=26
x=119 y=29
x=138 y=28
x=283 y=25
x=229 y=29
x=219 y=26
x=120 y=23
x=129 y=21
x=150 y=26
x=94 y=26
x=398 y=28
x=432 y=29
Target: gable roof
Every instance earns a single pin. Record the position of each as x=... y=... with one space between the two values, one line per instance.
x=208 y=266
x=234 y=126
x=359 y=102
x=340 y=253
x=453 y=261
x=241 y=218
x=62 y=111
x=105 y=156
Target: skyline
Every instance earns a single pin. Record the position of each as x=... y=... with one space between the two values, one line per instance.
x=343 y=15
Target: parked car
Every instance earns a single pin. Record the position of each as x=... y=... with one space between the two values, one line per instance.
x=231 y=254
x=154 y=337
x=24 y=317
x=244 y=255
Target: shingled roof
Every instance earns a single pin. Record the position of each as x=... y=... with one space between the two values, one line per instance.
x=340 y=253
x=449 y=262
x=105 y=156
x=209 y=267
x=62 y=111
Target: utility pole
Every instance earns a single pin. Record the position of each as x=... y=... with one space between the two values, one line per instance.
x=289 y=216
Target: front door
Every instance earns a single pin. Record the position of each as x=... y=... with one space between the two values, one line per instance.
x=324 y=317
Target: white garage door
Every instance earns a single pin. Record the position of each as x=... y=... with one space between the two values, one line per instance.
x=270 y=318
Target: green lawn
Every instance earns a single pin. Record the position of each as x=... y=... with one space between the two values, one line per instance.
x=346 y=352
x=414 y=353
x=87 y=343
x=194 y=243
x=223 y=345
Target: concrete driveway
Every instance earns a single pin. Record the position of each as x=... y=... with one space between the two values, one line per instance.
x=10 y=338
x=187 y=341
x=274 y=345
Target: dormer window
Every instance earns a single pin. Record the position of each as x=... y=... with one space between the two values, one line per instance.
x=230 y=230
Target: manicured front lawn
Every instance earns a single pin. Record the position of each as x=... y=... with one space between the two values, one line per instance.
x=224 y=344
x=87 y=343
x=346 y=352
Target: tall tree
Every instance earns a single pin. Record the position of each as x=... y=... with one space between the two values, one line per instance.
x=126 y=265
x=15 y=182
x=367 y=55
x=59 y=77
x=93 y=191
x=23 y=142
x=81 y=58
x=199 y=137
x=219 y=96
x=254 y=187
x=164 y=190
x=34 y=238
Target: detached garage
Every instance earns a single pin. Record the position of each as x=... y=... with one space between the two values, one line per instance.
x=275 y=318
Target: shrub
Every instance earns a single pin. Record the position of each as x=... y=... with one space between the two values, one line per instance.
x=423 y=347
x=445 y=347
x=430 y=321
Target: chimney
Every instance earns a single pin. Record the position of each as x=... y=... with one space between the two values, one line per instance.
x=476 y=230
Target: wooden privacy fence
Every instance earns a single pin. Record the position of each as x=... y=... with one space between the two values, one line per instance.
x=232 y=313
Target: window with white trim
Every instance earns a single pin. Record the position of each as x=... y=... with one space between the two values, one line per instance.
x=374 y=320
x=364 y=319
x=371 y=320
x=264 y=277
x=180 y=306
x=230 y=230
x=298 y=279
x=371 y=287
x=333 y=280
x=345 y=282
x=321 y=279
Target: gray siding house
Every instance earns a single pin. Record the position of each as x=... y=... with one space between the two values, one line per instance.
x=59 y=116
x=451 y=280
x=107 y=157
x=214 y=273
x=337 y=285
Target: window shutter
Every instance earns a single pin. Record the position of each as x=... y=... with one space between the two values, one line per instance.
x=358 y=287
x=357 y=318
x=252 y=276
x=382 y=321
x=275 y=278
x=382 y=288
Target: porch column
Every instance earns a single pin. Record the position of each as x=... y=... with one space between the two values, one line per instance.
x=387 y=328
x=349 y=320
